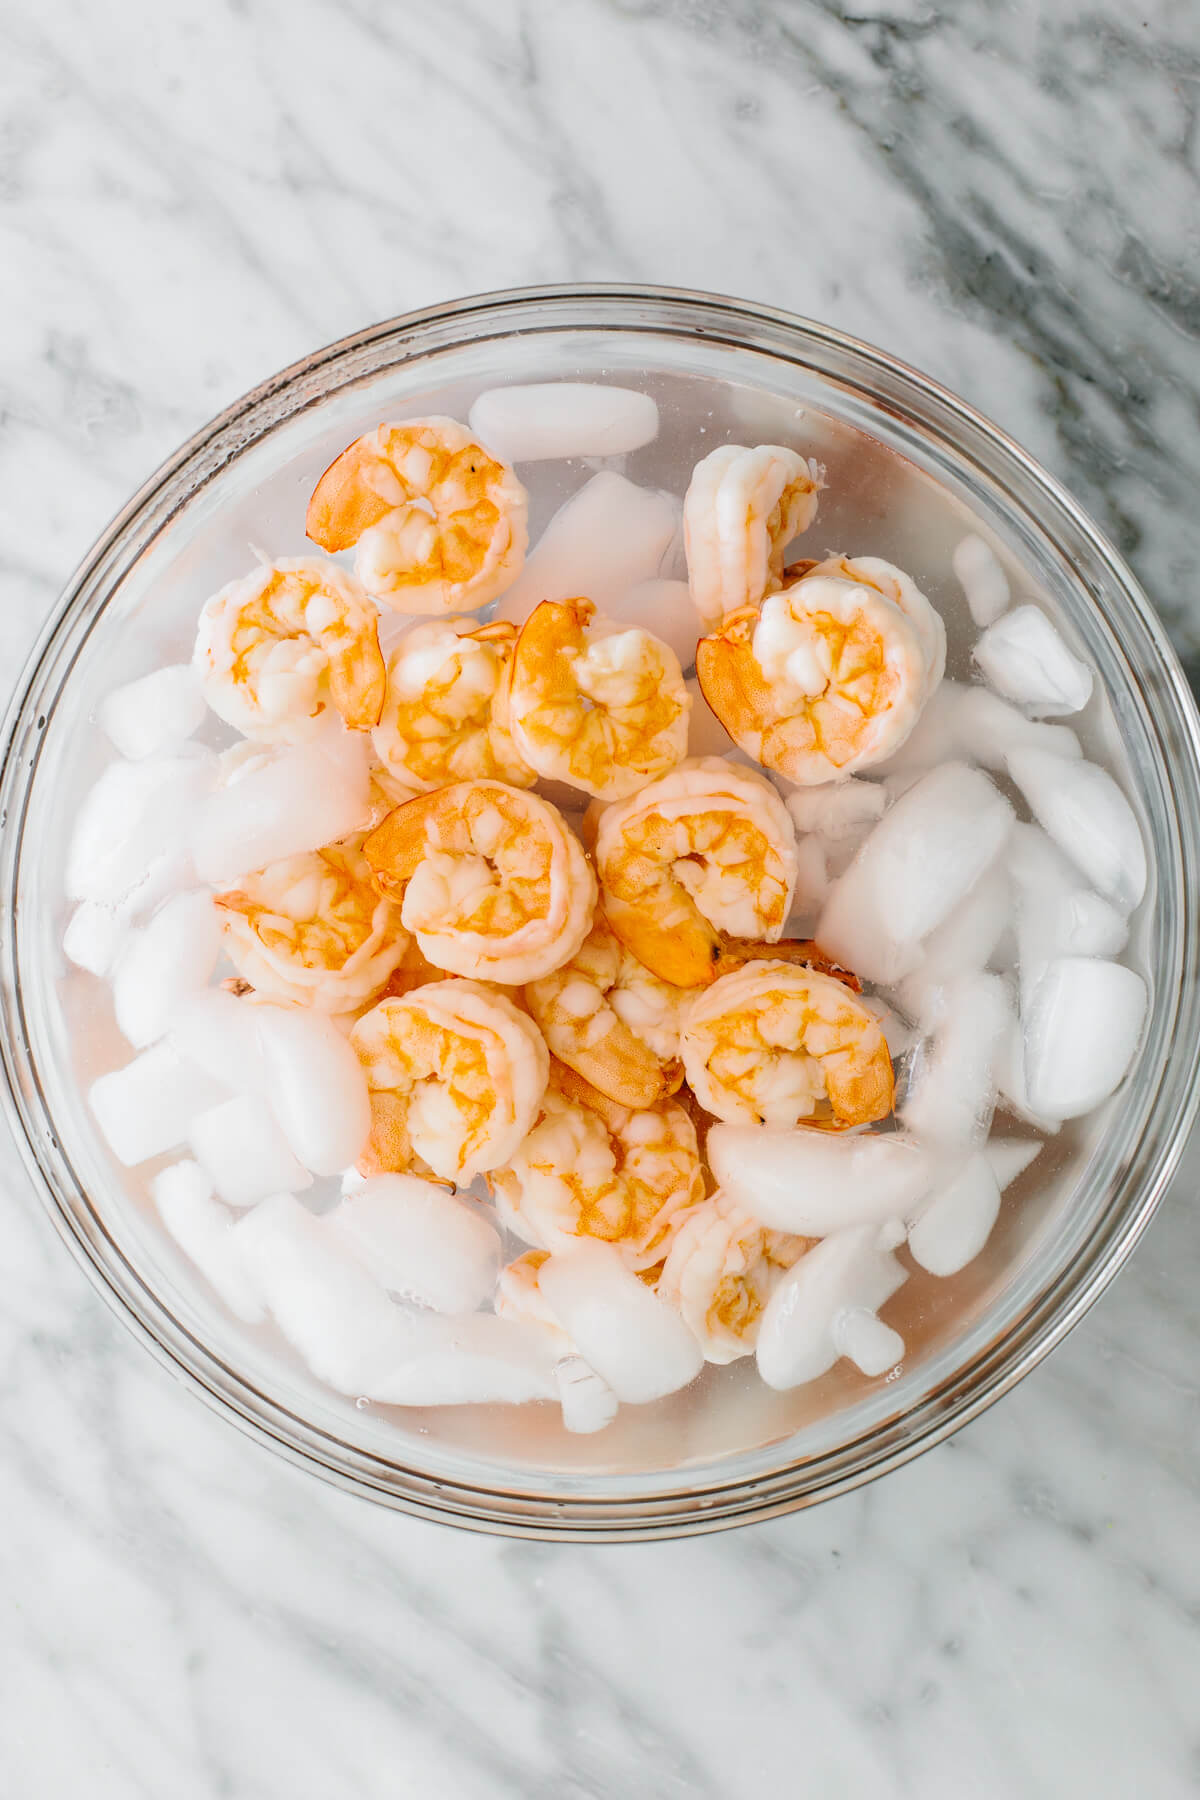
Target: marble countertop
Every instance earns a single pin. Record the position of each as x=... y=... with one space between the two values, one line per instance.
x=192 y=194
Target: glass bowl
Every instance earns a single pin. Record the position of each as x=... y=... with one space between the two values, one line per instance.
x=911 y=469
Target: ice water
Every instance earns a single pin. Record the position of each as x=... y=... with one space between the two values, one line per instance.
x=878 y=501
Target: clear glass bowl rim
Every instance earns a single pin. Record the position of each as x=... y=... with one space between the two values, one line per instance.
x=958 y=1399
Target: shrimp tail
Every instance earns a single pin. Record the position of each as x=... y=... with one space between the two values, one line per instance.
x=388 y=1150
x=395 y=847
x=236 y=901
x=345 y=502
x=804 y=952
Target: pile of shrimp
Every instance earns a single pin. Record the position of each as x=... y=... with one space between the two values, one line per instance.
x=556 y=942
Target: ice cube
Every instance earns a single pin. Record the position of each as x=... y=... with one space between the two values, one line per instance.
x=94 y=936
x=972 y=725
x=806 y=1325
x=219 y=1033
x=329 y=1309
x=1010 y=1157
x=814 y=1182
x=1024 y=658
x=1089 y=926
x=988 y=728
x=1081 y=1032
x=812 y=878
x=838 y=809
x=136 y=814
x=163 y=963
x=961 y=945
x=98 y=928
x=148 y=1106
x=588 y=1403
x=1056 y=915
x=606 y=538
x=635 y=1342
x=478 y=1360
x=665 y=608
x=475 y=1360
x=1089 y=818
x=953 y=1088
x=420 y=1241
x=955 y=1222
x=919 y=863
x=563 y=418
x=203 y=1229
x=898 y=1034
x=1042 y=877
x=154 y=713
x=863 y=1338
x=241 y=1148
x=1011 y=1094
x=316 y=1087
x=982 y=579
x=935 y=738
x=286 y=802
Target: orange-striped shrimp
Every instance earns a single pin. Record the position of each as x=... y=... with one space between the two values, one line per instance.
x=437 y=521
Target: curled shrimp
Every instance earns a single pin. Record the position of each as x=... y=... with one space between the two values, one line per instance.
x=439 y=722
x=830 y=675
x=610 y=1019
x=591 y=1168
x=437 y=521
x=776 y=1044
x=591 y=704
x=518 y=1297
x=704 y=854
x=902 y=591
x=720 y=1273
x=277 y=647
x=495 y=883
x=742 y=510
x=455 y=1075
x=313 y=930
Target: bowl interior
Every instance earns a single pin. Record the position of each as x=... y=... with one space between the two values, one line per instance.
x=906 y=479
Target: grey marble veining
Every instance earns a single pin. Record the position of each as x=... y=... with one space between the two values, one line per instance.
x=193 y=194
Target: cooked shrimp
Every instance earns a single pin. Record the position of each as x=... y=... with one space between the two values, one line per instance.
x=610 y=1019
x=455 y=1074
x=313 y=931
x=519 y=1297
x=775 y=1044
x=720 y=1272
x=902 y=591
x=277 y=647
x=591 y=1168
x=830 y=675
x=705 y=852
x=438 y=523
x=602 y=708
x=495 y=882
x=742 y=510
x=439 y=723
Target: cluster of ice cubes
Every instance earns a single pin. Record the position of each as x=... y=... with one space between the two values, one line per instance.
x=993 y=935
x=981 y=883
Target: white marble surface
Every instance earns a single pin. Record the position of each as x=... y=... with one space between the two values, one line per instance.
x=194 y=193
